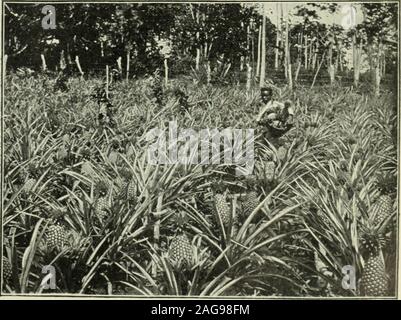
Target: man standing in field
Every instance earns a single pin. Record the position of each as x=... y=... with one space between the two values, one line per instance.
x=276 y=117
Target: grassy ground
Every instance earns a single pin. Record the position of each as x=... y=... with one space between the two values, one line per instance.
x=59 y=157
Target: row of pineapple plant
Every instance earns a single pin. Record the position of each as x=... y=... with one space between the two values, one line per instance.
x=119 y=232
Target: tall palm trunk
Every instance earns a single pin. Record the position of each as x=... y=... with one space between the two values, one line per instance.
x=288 y=55
x=248 y=59
x=259 y=46
x=356 y=59
x=198 y=48
x=306 y=53
x=263 y=52
x=330 y=66
x=277 y=41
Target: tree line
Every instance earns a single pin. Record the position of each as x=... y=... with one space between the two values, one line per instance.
x=215 y=40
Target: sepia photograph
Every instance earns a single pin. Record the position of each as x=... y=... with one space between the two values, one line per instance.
x=200 y=149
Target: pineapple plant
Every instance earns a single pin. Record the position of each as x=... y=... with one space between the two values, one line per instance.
x=102 y=203
x=374 y=281
x=180 y=249
x=7 y=270
x=221 y=206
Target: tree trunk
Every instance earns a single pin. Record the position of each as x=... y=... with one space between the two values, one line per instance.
x=5 y=58
x=69 y=60
x=330 y=66
x=252 y=49
x=317 y=71
x=119 y=65
x=208 y=72
x=44 y=65
x=62 y=62
x=101 y=49
x=198 y=48
x=306 y=53
x=356 y=60
x=377 y=79
x=331 y=72
x=241 y=68
x=277 y=41
x=259 y=42
x=165 y=72
x=298 y=69
x=78 y=65
x=107 y=81
x=248 y=76
x=128 y=63
x=314 y=60
x=288 y=55
x=263 y=52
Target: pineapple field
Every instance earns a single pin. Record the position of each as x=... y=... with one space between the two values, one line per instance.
x=86 y=210
x=79 y=194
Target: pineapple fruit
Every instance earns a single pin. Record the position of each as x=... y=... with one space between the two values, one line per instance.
x=382 y=207
x=131 y=190
x=128 y=188
x=29 y=184
x=250 y=203
x=374 y=281
x=87 y=169
x=222 y=208
x=28 y=176
x=7 y=269
x=56 y=236
x=269 y=170
x=251 y=199
x=281 y=153
x=180 y=250
x=101 y=206
x=102 y=203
